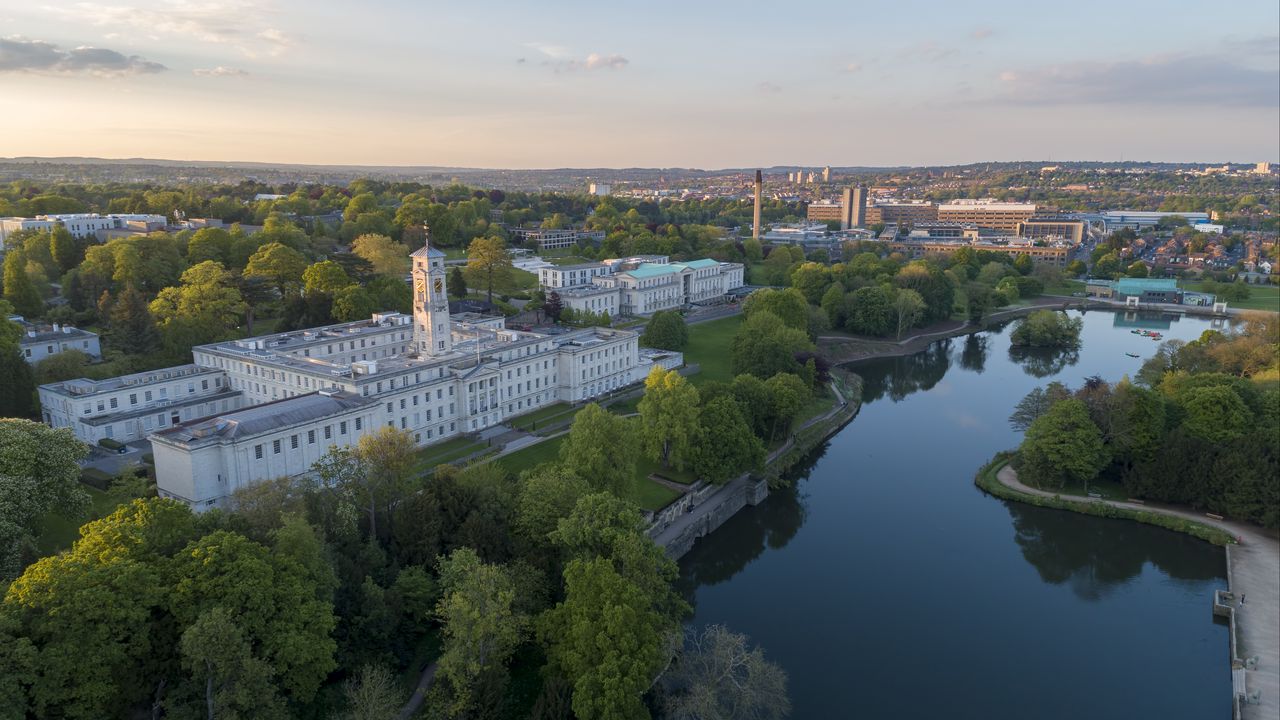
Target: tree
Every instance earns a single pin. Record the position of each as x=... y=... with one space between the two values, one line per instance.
x=1137 y=424
x=18 y=391
x=764 y=346
x=870 y=311
x=1061 y=446
x=909 y=307
x=600 y=448
x=66 y=365
x=1076 y=268
x=352 y=303
x=376 y=475
x=1137 y=270
x=554 y=307
x=325 y=277
x=606 y=639
x=481 y=630
x=788 y=394
x=1047 y=329
x=811 y=279
x=207 y=299
x=666 y=330
x=1215 y=414
x=66 y=249
x=788 y=305
x=235 y=683
x=489 y=265
x=668 y=417
x=273 y=598
x=372 y=694
x=719 y=677
x=131 y=325
x=39 y=475
x=387 y=256
x=725 y=445
x=457 y=283
x=835 y=303
x=933 y=285
x=1037 y=403
x=18 y=288
x=278 y=265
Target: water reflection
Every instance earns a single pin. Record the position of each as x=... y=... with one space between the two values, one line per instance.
x=899 y=377
x=771 y=525
x=1094 y=556
x=1043 y=362
x=974 y=355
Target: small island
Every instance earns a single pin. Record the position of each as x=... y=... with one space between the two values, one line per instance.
x=1047 y=329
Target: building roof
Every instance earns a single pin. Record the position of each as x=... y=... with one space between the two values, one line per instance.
x=1137 y=286
x=651 y=270
x=427 y=251
x=264 y=418
x=698 y=264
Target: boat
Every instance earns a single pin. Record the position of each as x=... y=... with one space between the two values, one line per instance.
x=1133 y=355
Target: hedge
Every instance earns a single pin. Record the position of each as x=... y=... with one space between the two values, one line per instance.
x=986 y=479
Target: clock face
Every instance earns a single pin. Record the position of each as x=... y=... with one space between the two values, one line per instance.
x=420 y=286
x=439 y=286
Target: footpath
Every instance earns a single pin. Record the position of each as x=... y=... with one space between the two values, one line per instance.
x=1253 y=577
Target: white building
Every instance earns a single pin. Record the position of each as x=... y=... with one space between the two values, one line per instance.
x=129 y=407
x=431 y=375
x=600 y=189
x=83 y=224
x=1139 y=219
x=641 y=285
x=41 y=341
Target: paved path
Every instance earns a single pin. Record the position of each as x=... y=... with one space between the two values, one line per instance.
x=419 y=692
x=1254 y=574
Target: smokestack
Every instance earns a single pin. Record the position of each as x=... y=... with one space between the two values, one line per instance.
x=755 y=225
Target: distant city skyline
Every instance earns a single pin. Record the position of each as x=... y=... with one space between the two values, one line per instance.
x=705 y=85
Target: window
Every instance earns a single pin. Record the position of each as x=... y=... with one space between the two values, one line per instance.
x=133 y=398
x=359 y=423
x=275 y=447
x=342 y=428
x=114 y=404
x=293 y=442
x=328 y=432
x=311 y=437
x=257 y=451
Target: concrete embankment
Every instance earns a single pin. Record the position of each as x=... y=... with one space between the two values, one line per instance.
x=706 y=507
x=1251 y=602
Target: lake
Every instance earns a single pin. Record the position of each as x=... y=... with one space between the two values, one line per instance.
x=889 y=586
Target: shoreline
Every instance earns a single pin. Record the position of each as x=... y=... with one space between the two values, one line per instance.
x=1252 y=560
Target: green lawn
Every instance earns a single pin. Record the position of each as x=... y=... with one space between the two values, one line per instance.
x=1064 y=287
x=59 y=532
x=709 y=348
x=447 y=452
x=649 y=494
x=524 y=280
x=542 y=416
x=1261 y=297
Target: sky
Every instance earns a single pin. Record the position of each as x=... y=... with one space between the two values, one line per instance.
x=702 y=84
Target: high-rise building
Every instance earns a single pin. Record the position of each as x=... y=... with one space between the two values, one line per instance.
x=854 y=210
x=826 y=174
x=1262 y=168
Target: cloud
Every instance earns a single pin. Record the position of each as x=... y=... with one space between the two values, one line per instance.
x=21 y=55
x=768 y=87
x=556 y=52
x=594 y=61
x=982 y=33
x=239 y=23
x=220 y=71
x=1169 y=80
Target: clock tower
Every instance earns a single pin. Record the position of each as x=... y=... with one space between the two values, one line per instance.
x=431 y=331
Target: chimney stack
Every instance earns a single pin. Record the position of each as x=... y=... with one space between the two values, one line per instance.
x=755 y=225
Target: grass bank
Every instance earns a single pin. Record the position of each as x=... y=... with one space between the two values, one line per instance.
x=987 y=480
x=709 y=348
x=1261 y=297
